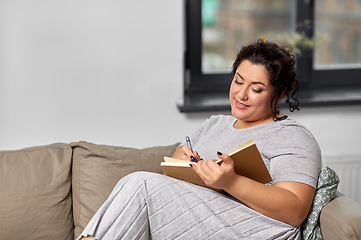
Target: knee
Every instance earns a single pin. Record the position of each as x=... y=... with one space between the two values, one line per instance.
x=141 y=175
x=138 y=178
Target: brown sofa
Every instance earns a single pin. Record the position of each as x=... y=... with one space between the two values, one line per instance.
x=52 y=191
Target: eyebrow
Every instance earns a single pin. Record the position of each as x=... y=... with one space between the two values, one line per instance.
x=252 y=82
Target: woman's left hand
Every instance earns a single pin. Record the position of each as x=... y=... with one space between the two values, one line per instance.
x=216 y=175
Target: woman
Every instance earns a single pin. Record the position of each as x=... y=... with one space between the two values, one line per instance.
x=147 y=205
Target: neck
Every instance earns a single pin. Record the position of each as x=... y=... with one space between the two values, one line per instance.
x=240 y=124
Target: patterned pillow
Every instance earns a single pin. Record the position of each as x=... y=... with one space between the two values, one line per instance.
x=325 y=190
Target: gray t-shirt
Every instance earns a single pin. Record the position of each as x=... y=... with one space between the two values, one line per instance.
x=288 y=149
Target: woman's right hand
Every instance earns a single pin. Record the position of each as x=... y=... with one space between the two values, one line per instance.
x=185 y=153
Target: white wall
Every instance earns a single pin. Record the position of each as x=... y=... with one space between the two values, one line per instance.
x=110 y=72
x=105 y=71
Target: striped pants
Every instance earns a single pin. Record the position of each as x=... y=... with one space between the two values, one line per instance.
x=153 y=206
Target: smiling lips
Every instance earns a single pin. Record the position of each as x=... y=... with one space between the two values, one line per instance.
x=240 y=105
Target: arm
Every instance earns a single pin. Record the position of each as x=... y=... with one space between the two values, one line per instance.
x=288 y=202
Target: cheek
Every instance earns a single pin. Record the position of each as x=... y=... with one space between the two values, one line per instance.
x=232 y=91
x=262 y=101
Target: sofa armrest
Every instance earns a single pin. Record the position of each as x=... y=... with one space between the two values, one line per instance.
x=341 y=219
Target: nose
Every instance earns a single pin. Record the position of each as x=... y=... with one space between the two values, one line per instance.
x=243 y=93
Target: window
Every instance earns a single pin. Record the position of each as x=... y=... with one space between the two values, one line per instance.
x=327 y=37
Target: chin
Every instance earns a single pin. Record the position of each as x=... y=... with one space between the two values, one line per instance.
x=239 y=115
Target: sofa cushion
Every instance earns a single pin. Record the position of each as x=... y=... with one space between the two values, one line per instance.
x=35 y=193
x=97 y=169
x=341 y=219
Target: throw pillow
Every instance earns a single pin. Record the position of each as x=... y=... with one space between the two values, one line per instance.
x=35 y=193
x=97 y=169
x=325 y=190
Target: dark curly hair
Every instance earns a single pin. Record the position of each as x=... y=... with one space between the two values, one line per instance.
x=280 y=64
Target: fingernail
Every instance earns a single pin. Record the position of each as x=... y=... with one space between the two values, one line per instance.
x=192 y=158
x=219 y=153
x=191 y=165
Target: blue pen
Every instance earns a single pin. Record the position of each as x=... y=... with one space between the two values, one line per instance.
x=188 y=141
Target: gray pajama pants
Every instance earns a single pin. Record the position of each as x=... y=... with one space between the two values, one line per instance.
x=153 y=206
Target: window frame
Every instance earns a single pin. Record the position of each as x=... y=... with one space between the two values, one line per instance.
x=195 y=80
x=209 y=92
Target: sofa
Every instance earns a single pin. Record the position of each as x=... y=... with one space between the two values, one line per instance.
x=52 y=191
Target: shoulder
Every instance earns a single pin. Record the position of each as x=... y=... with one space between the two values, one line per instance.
x=294 y=153
x=279 y=131
x=291 y=137
x=293 y=129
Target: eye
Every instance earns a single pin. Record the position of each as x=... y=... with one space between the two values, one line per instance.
x=237 y=82
x=256 y=91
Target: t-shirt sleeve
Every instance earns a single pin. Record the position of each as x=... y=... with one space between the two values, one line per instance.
x=294 y=156
x=196 y=134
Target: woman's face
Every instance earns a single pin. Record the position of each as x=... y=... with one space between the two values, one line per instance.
x=250 y=95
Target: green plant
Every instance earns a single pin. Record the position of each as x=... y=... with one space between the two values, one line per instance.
x=300 y=42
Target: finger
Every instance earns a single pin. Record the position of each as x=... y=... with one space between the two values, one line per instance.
x=224 y=158
x=208 y=171
x=188 y=153
x=209 y=168
x=184 y=157
x=213 y=168
x=196 y=156
x=199 y=169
